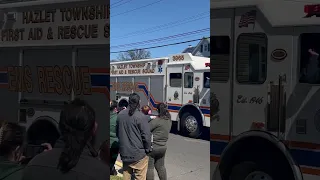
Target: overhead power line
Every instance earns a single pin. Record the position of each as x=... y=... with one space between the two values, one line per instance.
x=204 y=34
x=138 y=8
x=163 y=38
x=116 y=4
x=165 y=45
x=166 y=26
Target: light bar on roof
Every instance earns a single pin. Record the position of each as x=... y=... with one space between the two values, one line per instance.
x=312 y=10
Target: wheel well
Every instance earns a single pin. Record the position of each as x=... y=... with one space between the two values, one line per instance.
x=249 y=149
x=42 y=131
x=192 y=110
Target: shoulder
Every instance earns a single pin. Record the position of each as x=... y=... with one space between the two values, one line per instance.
x=46 y=158
x=96 y=168
x=158 y=120
x=162 y=121
x=16 y=173
x=123 y=112
x=139 y=113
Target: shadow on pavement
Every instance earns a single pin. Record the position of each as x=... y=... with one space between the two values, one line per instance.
x=204 y=136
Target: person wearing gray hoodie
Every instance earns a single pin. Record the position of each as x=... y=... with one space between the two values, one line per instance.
x=134 y=135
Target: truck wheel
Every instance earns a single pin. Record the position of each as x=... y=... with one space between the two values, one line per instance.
x=190 y=126
x=253 y=171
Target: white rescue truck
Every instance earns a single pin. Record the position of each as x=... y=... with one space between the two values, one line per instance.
x=52 y=52
x=265 y=74
x=181 y=80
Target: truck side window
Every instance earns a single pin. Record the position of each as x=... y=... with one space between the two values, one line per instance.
x=206 y=79
x=309 y=58
x=188 y=80
x=175 y=79
x=220 y=58
x=251 y=65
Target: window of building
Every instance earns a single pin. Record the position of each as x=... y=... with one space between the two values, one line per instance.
x=251 y=63
x=220 y=58
x=209 y=47
x=206 y=79
x=309 y=58
x=188 y=80
x=205 y=48
x=175 y=79
x=201 y=48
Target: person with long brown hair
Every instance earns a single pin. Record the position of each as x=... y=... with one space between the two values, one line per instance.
x=160 y=128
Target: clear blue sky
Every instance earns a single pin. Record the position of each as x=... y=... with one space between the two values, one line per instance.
x=161 y=13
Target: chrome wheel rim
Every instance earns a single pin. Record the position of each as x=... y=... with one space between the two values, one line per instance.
x=191 y=124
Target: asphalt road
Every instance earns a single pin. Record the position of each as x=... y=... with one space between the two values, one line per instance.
x=187 y=159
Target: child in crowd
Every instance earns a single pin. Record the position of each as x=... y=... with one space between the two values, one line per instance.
x=147 y=111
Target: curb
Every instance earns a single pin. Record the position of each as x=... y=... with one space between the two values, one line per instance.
x=119 y=164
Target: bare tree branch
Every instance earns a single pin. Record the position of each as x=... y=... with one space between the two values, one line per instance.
x=134 y=55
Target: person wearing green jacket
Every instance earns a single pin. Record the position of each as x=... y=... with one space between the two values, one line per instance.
x=11 y=141
x=114 y=141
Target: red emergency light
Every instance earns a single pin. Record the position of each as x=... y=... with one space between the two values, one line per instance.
x=207 y=64
x=312 y=10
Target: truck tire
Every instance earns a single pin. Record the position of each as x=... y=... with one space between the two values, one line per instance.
x=255 y=171
x=190 y=125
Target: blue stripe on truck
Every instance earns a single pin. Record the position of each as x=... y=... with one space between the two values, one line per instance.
x=153 y=102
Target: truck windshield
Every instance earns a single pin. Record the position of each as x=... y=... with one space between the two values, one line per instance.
x=309 y=58
x=206 y=79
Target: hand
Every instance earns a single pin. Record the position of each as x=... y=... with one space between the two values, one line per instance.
x=22 y=158
x=312 y=52
x=47 y=146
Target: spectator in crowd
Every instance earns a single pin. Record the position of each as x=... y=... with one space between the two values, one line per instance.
x=146 y=110
x=160 y=129
x=134 y=136
x=11 y=141
x=73 y=157
x=114 y=142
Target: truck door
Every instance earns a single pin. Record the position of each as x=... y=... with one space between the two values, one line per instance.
x=188 y=84
x=174 y=88
x=250 y=85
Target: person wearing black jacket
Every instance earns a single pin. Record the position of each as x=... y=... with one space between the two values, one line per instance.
x=133 y=131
